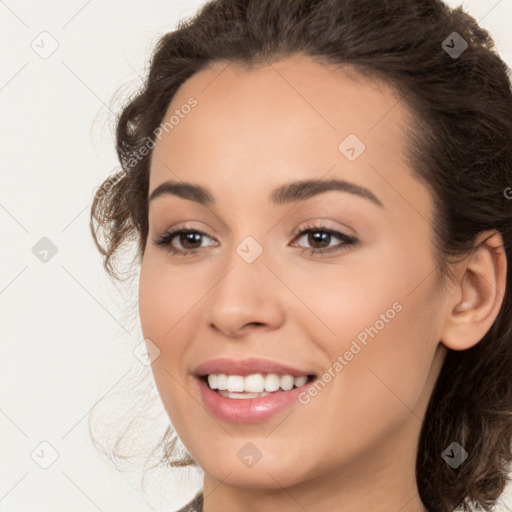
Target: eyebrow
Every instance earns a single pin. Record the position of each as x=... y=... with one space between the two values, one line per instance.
x=288 y=193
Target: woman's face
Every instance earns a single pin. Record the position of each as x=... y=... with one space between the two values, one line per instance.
x=364 y=316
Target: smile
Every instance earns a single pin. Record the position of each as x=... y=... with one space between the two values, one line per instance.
x=254 y=385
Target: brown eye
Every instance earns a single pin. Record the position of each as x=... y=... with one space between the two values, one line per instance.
x=189 y=240
x=184 y=242
x=319 y=239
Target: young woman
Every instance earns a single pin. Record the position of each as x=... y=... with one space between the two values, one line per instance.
x=321 y=195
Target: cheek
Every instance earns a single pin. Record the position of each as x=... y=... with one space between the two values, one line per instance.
x=382 y=321
x=152 y=299
x=165 y=300
x=393 y=367
x=167 y=320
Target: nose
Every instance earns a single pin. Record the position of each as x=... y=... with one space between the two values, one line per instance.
x=247 y=296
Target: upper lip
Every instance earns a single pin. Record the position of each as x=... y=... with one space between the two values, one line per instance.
x=248 y=366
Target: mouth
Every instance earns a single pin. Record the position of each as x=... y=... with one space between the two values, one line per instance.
x=250 y=390
x=237 y=404
x=255 y=385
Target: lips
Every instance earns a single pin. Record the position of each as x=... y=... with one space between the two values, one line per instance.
x=249 y=366
x=249 y=407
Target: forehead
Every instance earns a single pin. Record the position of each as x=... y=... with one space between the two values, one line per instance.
x=279 y=121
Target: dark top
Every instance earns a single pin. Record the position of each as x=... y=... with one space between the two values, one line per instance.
x=196 y=505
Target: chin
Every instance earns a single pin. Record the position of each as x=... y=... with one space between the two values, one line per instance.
x=257 y=478
x=271 y=471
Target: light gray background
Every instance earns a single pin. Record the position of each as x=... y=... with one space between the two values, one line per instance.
x=66 y=341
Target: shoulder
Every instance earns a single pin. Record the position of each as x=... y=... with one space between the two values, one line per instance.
x=196 y=505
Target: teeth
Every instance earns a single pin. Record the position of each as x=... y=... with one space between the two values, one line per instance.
x=286 y=382
x=300 y=381
x=228 y=394
x=236 y=383
x=255 y=384
x=213 y=381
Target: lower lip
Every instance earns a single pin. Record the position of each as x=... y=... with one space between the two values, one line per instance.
x=247 y=410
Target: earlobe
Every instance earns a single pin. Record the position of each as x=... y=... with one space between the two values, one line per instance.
x=479 y=293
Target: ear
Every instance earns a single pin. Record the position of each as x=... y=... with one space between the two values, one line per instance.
x=477 y=294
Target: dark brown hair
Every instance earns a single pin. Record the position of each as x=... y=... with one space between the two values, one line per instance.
x=460 y=146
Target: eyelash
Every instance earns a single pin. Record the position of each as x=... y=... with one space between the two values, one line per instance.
x=348 y=241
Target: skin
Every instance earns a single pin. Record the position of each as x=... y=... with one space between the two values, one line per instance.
x=353 y=446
